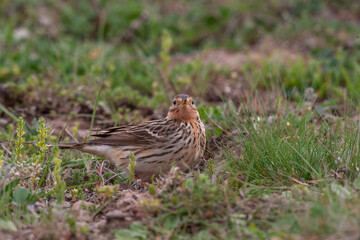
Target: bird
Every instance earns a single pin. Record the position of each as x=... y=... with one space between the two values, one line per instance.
x=157 y=145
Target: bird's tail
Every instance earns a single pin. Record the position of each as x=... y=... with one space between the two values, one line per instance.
x=68 y=145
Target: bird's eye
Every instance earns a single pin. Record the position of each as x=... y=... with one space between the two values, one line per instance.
x=174 y=102
x=192 y=102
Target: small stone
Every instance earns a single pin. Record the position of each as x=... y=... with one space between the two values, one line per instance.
x=21 y=33
x=99 y=224
x=77 y=205
x=116 y=214
x=68 y=196
x=83 y=216
x=128 y=219
x=66 y=204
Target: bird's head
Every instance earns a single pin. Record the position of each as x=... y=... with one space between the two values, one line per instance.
x=183 y=108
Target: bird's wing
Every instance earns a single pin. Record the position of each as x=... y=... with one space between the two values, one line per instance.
x=143 y=134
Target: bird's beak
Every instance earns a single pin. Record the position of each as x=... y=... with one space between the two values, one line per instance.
x=184 y=102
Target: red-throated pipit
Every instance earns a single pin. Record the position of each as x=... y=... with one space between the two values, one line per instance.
x=157 y=145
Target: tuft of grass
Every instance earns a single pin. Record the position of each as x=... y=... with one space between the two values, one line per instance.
x=19 y=142
x=295 y=148
x=330 y=78
x=131 y=167
x=59 y=184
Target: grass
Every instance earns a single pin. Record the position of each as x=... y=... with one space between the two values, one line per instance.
x=275 y=83
x=293 y=147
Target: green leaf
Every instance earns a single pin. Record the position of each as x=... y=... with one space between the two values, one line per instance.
x=136 y=231
x=203 y=235
x=21 y=195
x=152 y=190
x=10 y=186
x=171 y=221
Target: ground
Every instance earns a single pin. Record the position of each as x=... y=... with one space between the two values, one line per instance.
x=275 y=82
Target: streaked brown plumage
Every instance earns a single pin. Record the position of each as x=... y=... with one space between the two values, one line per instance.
x=157 y=145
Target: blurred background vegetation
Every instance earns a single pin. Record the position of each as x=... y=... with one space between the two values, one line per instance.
x=143 y=52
